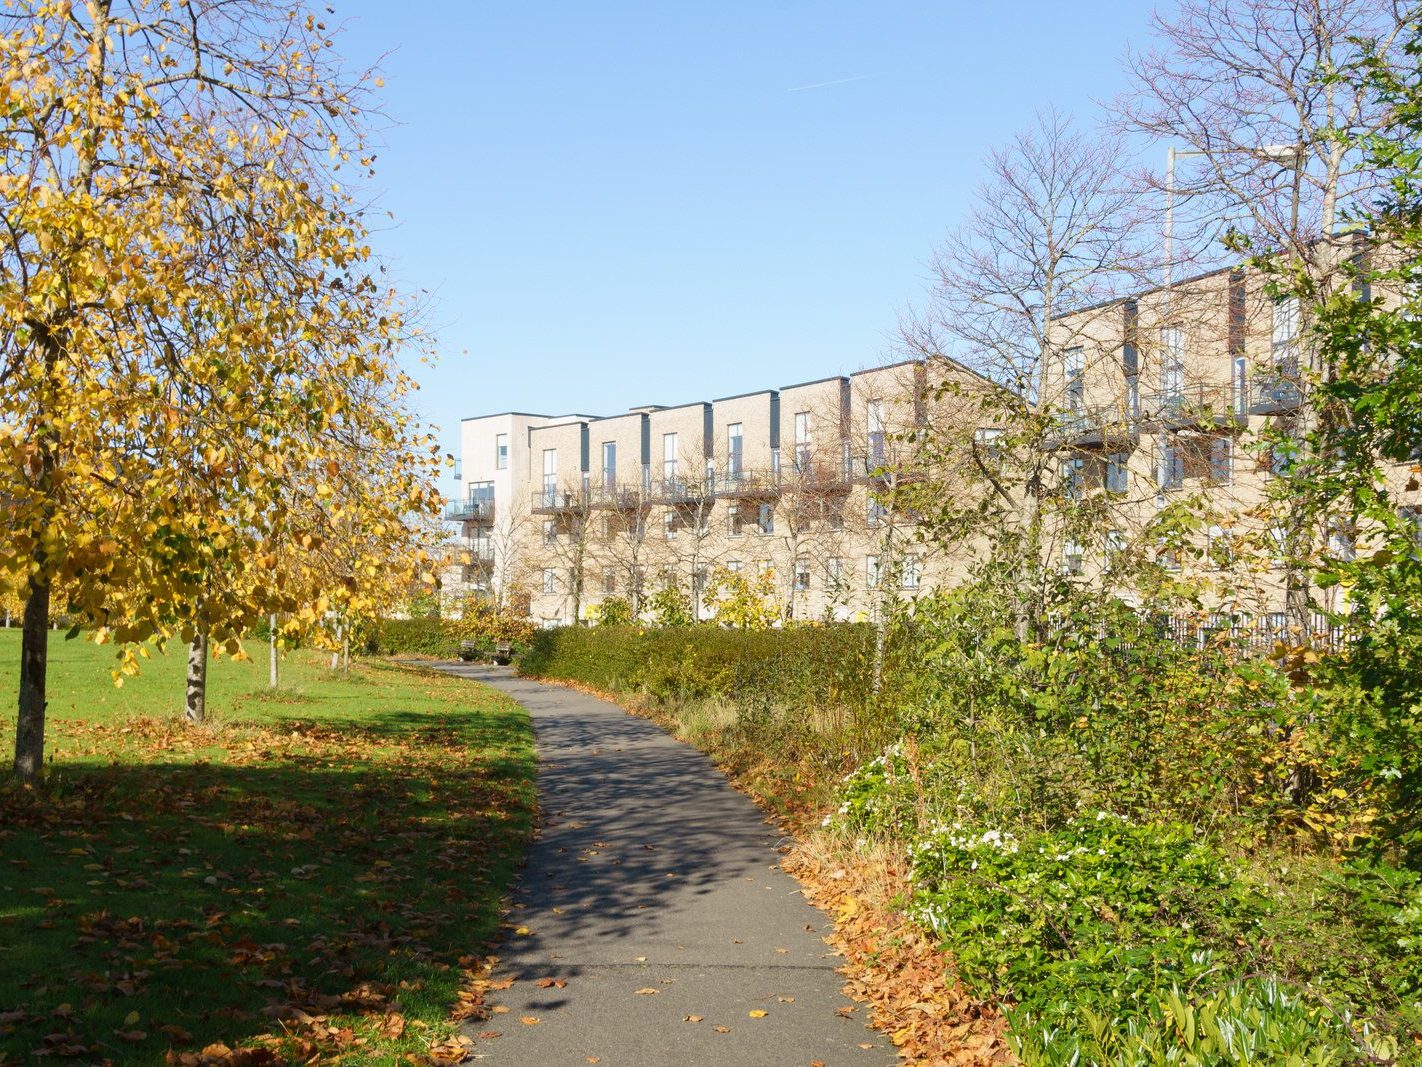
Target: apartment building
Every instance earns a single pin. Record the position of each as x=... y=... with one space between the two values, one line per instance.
x=560 y=513
x=1179 y=392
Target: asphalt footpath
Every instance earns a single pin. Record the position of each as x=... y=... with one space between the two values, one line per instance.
x=652 y=924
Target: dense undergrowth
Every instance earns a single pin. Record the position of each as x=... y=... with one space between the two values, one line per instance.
x=1148 y=853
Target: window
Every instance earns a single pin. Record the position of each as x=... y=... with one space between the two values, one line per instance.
x=501 y=452
x=834 y=572
x=876 y=512
x=1117 y=472
x=1172 y=364
x=1074 y=373
x=669 y=456
x=1284 y=338
x=609 y=580
x=734 y=566
x=874 y=417
x=1073 y=478
x=735 y=522
x=735 y=452
x=1278 y=542
x=698 y=580
x=1240 y=382
x=802 y=575
x=670 y=524
x=871 y=571
x=1115 y=545
x=550 y=532
x=550 y=475
x=765 y=521
x=1072 y=556
x=1171 y=472
x=763 y=567
x=802 y=440
x=1221 y=460
x=1341 y=544
x=1220 y=548
x=1169 y=558
x=911 y=573
x=609 y=464
x=834 y=514
x=550 y=579
x=1133 y=395
x=989 y=440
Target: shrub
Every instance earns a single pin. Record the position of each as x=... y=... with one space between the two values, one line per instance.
x=426 y=636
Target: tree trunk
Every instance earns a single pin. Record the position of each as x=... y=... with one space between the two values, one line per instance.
x=195 y=710
x=336 y=652
x=272 y=653
x=346 y=650
x=34 y=661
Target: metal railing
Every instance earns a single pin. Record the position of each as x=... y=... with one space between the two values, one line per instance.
x=1094 y=425
x=748 y=482
x=479 y=509
x=1190 y=405
x=547 y=501
x=680 y=491
x=1274 y=393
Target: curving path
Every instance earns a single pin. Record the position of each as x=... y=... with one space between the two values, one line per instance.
x=652 y=873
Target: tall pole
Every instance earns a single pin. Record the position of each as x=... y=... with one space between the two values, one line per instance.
x=1169 y=219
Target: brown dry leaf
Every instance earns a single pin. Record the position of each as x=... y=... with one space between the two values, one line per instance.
x=132 y=1036
x=489 y=1035
x=722 y=1029
x=551 y=983
x=529 y=1020
x=649 y=991
x=500 y=1009
x=693 y=1018
x=757 y=1013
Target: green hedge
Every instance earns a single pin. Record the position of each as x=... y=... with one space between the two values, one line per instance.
x=421 y=637
x=795 y=667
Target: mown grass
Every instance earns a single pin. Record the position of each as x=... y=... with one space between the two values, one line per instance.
x=310 y=874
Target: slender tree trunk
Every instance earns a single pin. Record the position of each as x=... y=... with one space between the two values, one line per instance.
x=34 y=660
x=346 y=650
x=336 y=652
x=272 y=676
x=195 y=711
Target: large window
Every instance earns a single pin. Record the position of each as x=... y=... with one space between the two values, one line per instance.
x=501 y=451
x=765 y=520
x=834 y=573
x=735 y=521
x=871 y=571
x=1074 y=371
x=911 y=573
x=735 y=452
x=803 y=445
x=1171 y=473
x=802 y=574
x=609 y=464
x=1073 y=478
x=609 y=580
x=550 y=579
x=874 y=418
x=550 y=475
x=1117 y=472
x=1072 y=556
x=1172 y=363
x=669 y=457
x=1221 y=460
x=1285 y=334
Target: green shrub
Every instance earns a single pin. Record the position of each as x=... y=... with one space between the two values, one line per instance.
x=427 y=636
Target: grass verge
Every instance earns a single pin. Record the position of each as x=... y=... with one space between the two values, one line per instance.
x=311 y=875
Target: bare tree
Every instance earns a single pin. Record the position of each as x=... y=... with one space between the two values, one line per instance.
x=1247 y=95
x=1053 y=232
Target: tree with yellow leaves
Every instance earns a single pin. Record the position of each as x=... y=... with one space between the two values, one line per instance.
x=192 y=322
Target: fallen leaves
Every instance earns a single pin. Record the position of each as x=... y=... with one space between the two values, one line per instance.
x=890 y=964
x=649 y=991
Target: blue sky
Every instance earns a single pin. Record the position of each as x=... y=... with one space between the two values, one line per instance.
x=615 y=204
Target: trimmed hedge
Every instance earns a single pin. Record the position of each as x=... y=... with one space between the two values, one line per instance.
x=419 y=637
x=792 y=668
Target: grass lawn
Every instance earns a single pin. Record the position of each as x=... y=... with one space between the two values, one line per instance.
x=310 y=875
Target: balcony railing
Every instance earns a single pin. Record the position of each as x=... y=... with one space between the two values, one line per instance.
x=680 y=491
x=1197 y=405
x=1274 y=394
x=622 y=497
x=1091 y=427
x=553 y=501
x=746 y=483
x=479 y=509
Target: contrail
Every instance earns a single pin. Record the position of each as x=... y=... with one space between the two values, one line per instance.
x=837 y=81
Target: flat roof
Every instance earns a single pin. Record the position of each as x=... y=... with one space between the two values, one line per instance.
x=742 y=396
x=506 y=414
x=816 y=381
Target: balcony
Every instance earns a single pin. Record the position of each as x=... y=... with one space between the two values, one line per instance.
x=674 y=491
x=618 y=497
x=811 y=478
x=1274 y=394
x=1191 y=407
x=479 y=509
x=1093 y=427
x=747 y=484
x=559 y=501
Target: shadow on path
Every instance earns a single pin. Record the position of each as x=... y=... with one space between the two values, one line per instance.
x=654 y=893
